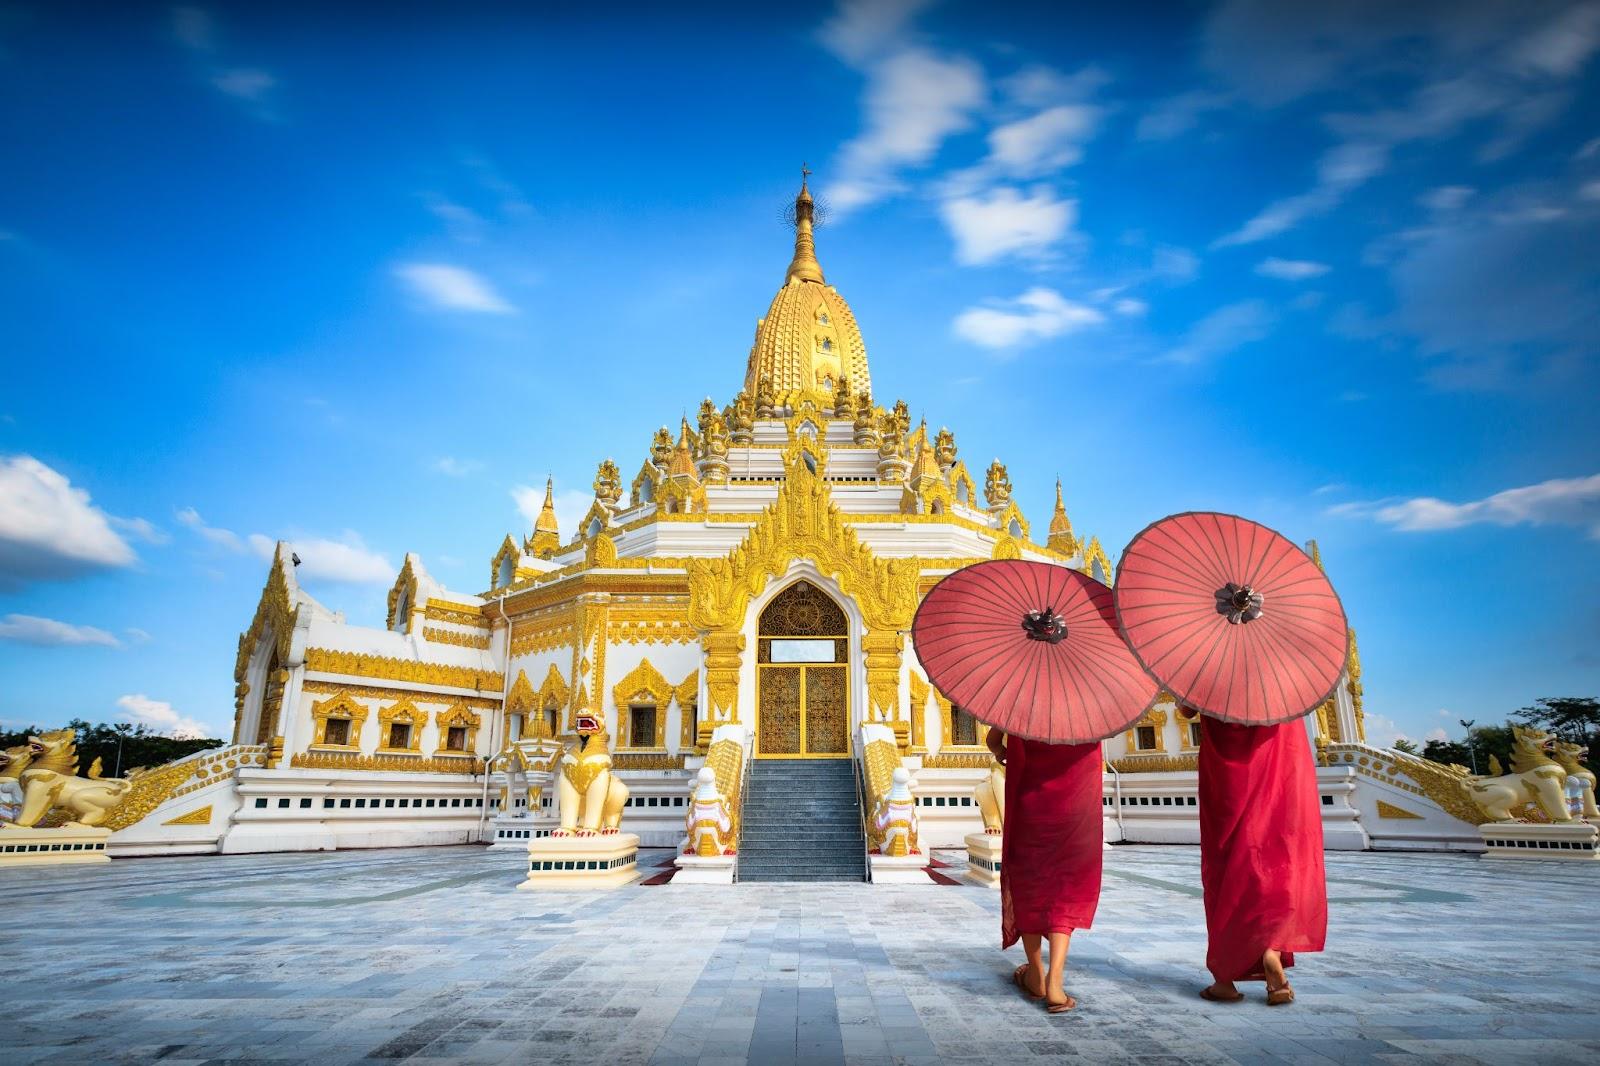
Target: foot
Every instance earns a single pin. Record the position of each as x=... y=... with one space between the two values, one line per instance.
x=1279 y=993
x=1058 y=1002
x=1030 y=979
x=1221 y=992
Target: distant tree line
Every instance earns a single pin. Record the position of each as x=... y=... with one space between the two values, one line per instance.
x=1575 y=719
x=116 y=744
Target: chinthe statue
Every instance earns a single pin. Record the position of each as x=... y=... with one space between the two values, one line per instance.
x=590 y=795
x=1535 y=778
x=46 y=772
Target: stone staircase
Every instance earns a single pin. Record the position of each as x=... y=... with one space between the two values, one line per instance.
x=801 y=822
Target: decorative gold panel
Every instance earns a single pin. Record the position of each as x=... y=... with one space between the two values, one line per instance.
x=779 y=712
x=827 y=724
x=803 y=610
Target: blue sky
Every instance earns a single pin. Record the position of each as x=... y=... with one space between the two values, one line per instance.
x=298 y=272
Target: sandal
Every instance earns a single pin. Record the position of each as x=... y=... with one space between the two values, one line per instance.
x=1018 y=979
x=1217 y=997
x=1060 y=1008
x=1280 y=997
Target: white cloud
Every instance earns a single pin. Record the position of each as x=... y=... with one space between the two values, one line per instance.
x=570 y=504
x=1174 y=265
x=1038 y=314
x=1222 y=331
x=137 y=635
x=914 y=100
x=1436 y=734
x=49 y=529
x=141 y=528
x=161 y=717
x=1589 y=190
x=1048 y=141
x=1561 y=46
x=1446 y=197
x=47 y=632
x=453 y=288
x=245 y=83
x=453 y=467
x=347 y=560
x=223 y=538
x=1341 y=169
x=1130 y=307
x=1004 y=222
x=1290 y=269
x=863 y=28
x=1560 y=501
x=1179 y=114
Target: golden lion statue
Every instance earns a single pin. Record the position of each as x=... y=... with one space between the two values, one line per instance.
x=1571 y=758
x=991 y=799
x=1535 y=778
x=46 y=770
x=590 y=796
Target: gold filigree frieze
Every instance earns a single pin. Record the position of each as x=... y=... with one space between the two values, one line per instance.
x=372 y=692
x=340 y=760
x=1152 y=764
x=199 y=816
x=356 y=664
x=477 y=641
x=463 y=614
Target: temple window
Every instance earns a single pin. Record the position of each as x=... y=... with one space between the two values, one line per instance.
x=458 y=730
x=507 y=571
x=1194 y=734
x=552 y=720
x=399 y=734
x=1145 y=738
x=963 y=728
x=456 y=738
x=642 y=725
x=823 y=318
x=337 y=732
x=514 y=726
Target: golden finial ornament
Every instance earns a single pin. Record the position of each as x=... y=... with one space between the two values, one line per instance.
x=1061 y=536
x=804 y=265
x=608 y=483
x=997 y=486
x=546 y=537
x=944 y=448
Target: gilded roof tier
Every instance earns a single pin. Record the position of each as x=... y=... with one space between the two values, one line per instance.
x=808 y=340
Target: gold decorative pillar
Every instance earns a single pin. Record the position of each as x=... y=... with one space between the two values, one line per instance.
x=883 y=652
x=723 y=657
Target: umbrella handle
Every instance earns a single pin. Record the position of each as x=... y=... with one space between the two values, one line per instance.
x=1045 y=625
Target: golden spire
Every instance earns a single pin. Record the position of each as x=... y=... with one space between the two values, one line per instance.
x=925 y=470
x=1061 y=538
x=682 y=464
x=804 y=265
x=546 y=537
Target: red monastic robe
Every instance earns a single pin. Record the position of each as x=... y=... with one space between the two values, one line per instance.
x=1051 y=851
x=1260 y=846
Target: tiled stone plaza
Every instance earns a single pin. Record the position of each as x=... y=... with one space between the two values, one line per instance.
x=429 y=955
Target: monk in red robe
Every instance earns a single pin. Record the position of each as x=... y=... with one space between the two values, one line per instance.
x=1050 y=855
x=1260 y=854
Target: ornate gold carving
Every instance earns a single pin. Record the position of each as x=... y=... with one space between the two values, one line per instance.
x=1389 y=810
x=553 y=630
x=462 y=614
x=374 y=693
x=1006 y=548
x=340 y=706
x=957 y=760
x=1353 y=685
x=275 y=614
x=404 y=712
x=457 y=714
x=504 y=560
x=460 y=640
x=403 y=599
x=1154 y=717
x=1150 y=764
x=687 y=693
x=996 y=486
x=1096 y=563
x=356 y=664
x=642 y=685
x=646 y=760
x=413 y=764
x=200 y=816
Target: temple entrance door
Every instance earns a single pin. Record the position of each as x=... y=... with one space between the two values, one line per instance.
x=802 y=679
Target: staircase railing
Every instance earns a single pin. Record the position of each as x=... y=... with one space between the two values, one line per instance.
x=858 y=755
x=749 y=754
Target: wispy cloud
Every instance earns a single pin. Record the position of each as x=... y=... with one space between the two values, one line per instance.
x=1222 y=331
x=49 y=529
x=1560 y=502
x=1290 y=269
x=1004 y=222
x=223 y=538
x=452 y=467
x=49 y=633
x=1038 y=314
x=162 y=718
x=453 y=288
x=196 y=30
x=245 y=83
x=347 y=560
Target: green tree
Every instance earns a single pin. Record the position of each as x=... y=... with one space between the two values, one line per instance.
x=1407 y=746
x=1575 y=719
x=138 y=746
x=1483 y=740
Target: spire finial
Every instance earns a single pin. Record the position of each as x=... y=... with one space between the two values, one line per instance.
x=804 y=265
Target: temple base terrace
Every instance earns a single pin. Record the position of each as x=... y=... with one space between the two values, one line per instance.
x=430 y=955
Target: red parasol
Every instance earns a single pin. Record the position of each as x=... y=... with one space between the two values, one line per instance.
x=1231 y=618
x=1032 y=649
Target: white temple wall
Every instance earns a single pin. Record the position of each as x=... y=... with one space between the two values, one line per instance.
x=675 y=662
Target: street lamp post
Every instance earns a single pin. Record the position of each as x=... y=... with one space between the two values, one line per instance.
x=1472 y=749
x=122 y=734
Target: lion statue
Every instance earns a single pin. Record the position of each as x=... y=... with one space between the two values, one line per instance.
x=48 y=779
x=12 y=762
x=590 y=795
x=1535 y=778
x=990 y=796
x=1580 y=779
